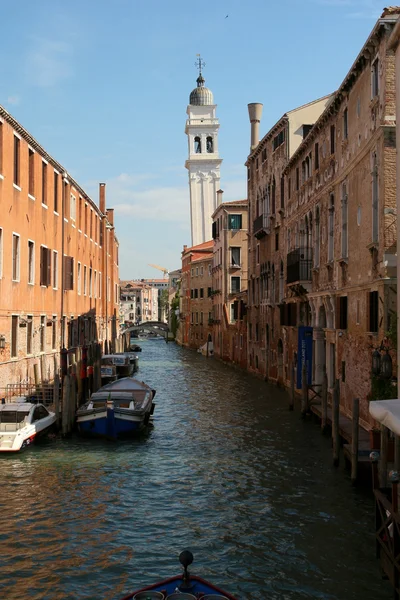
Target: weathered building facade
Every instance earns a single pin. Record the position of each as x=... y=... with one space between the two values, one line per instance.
x=229 y=281
x=58 y=264
x=330 y=266
x=266 y=197
x=195 y=310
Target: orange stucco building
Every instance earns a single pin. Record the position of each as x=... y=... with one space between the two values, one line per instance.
x=58 y=260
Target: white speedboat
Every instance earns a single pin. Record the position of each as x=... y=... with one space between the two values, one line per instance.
x=21 y=423
x=122 y=407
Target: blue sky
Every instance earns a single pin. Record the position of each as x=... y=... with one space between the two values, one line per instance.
x=104 y=87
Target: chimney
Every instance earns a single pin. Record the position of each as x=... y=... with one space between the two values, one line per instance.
x=220 y=193
x=255 y=113
x=110 y=215
x=102 y=197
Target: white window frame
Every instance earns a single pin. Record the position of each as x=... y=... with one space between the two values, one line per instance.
x=100 y=281
x=72 y=207
x=79 y=277
x=95 y=284
x=31 y=280
x=84 y=280
x=18 y=262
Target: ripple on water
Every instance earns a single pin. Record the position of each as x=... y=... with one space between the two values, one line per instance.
x=226 y=471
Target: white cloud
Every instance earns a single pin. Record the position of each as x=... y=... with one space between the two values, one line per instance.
x=13 y=100
x=49 y=62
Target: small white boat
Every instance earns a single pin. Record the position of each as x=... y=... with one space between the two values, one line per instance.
x=119 y=408
x=114 y=366
x=21 y=423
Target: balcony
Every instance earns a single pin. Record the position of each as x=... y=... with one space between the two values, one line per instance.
x=261 y=226
x=235 y=265
x=299 y=265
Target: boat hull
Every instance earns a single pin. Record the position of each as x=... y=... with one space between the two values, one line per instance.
x=19 y=441
x=112 y=424
x=196 y=586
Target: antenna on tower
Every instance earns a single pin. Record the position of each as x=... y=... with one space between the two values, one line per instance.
x=200 y=64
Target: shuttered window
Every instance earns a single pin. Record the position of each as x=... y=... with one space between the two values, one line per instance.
x=45 y=266
x=68 y=273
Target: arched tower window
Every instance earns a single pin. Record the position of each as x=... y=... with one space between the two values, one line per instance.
x=197 y=145
x=210 y=145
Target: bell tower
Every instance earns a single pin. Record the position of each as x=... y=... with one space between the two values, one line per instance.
x=203 y=163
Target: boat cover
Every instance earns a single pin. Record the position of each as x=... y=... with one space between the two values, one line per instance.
x=386 y=412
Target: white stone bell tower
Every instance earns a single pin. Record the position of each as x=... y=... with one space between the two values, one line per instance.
x=203 y=163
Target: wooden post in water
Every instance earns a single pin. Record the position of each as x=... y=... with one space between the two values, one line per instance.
x=335 y=424
x=56 y=397
x=383 y=456
x=72 y=395
x=304 y=388
x=354 y=440
x=79 y=375
x=65 y=401
x=36 y=375
x=324 y=401
x=291 y=400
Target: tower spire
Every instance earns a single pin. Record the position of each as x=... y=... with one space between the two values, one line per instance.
x=200 y=64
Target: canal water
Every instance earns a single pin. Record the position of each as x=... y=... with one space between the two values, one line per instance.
x=227 y=471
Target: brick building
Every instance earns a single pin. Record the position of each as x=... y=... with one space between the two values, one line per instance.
x=266 y=197
x=229 y=281
x=58 y=260
x=195 y=310
x=337 y=241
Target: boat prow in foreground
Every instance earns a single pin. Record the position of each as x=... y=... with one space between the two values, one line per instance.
x=119 y=408
x=22 y=423
x=181 y=587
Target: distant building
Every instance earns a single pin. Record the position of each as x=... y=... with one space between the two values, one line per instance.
x=160 y=285
x=195 y=296
x=229 y=281
x=203 y=163
x=138 y=302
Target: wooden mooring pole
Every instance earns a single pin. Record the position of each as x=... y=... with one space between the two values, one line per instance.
x=291 y=398
x=383 y=456
x=304 y=388
x=335 y=424
x=65 y=404
x=324 y=401
x=354 y=440
x=56 y=396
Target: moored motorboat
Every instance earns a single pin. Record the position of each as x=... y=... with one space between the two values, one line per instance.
x=181 y=587
x=22 y=423
x=122 y=363
x=133 y=359
x=122 y=407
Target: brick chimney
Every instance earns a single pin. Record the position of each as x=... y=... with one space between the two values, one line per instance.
x=102 y=197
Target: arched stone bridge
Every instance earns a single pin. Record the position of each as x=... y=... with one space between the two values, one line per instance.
x=155 y=326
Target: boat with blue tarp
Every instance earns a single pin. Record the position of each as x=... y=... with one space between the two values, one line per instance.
x=122 y=407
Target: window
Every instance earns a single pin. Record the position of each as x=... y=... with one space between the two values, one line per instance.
x=31 y=172
x=55 y=269
x=91 y=224
x=44 y=183
x=14 y=336
x=196 y=293
x=197 y=145
x=209 y=292
x=197 y=271
x=235 y=256
x=45 y=266
x=331 y=227
x=95 y=286
x=201 y=292
x=343 y=312
x=316 y=156
x=84 y=280
x=15 y=257
x=375 y=199
x=332 y=139
x=17 y=144
x=86 y=219
x=79 y=278
x=344 y=221
x=56 y=177
x=54 y=332
x=201 y=318
x=72 y=207
x=235 y=285
x=68 y=273
x=289 y=187
x=42 y=333
x=64 y=191
x=29 y=334
x=197 y=318
x=278 y=140
x=317 y=237
x=210 y=145
x=276 y=241
x=31 y=261
x=373 y=312
x=375 y=78
x=282 y=192
x=297 y=178
x=90 y=282
x=234 y=221
x=345 y=124
x=99 y=278
x=234 y=311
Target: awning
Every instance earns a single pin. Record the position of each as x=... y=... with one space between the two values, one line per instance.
x=386 y=412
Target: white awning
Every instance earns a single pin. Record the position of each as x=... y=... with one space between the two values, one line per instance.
x=386 y=412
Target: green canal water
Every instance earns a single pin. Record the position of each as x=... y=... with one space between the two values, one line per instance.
x=227 y=471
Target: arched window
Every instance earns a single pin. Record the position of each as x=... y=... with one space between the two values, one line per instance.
x=273 y=284
x=281 y=284
x=210 y=145
x=317 y=237
x=197 y=145
x=331 y=226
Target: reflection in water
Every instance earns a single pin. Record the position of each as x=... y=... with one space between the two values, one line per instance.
x=226 y=471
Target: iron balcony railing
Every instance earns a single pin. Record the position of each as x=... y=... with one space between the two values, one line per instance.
x=261 y=225
x=299 y=265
